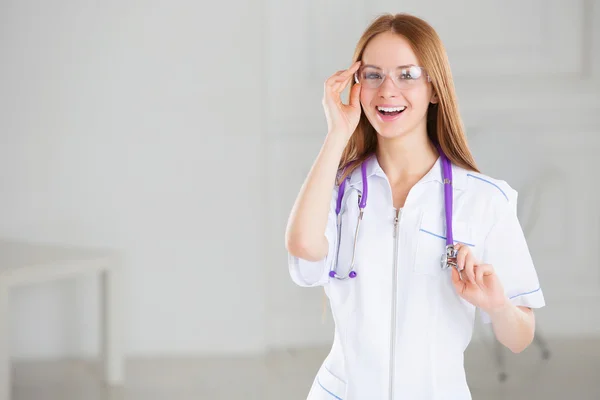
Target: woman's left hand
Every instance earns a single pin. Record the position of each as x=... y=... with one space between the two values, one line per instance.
x=478 y=283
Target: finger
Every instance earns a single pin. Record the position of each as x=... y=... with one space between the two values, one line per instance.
x=353 y=68
x=341 y=85
x=456 y=278
x=333 y=79
x=457 y=281
x=488 y=269
x=463 y=251
x=338 y=82
x=479 y=272
x=337 y=76
x=336 y=89
x=342 y=75
x=355 y=95
x=470 y=268
x=341 y=81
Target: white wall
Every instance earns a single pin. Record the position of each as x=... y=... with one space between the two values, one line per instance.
x=528 y=81
x=137 y=125
x=173 y=132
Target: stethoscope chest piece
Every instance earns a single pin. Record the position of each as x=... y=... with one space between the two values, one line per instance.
x=449 y=257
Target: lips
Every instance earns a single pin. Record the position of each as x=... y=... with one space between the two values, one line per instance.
x=388 y=113
x=390 y=110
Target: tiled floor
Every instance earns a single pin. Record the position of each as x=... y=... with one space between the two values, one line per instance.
x=572 y=372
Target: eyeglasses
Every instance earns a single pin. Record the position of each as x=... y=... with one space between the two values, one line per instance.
x=404 y=77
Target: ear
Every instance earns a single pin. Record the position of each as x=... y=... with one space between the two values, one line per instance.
x=434 y=98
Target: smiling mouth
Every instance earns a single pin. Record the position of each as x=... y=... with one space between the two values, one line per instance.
x=390 y=111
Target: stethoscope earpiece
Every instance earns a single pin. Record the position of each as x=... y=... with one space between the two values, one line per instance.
x=352 y=274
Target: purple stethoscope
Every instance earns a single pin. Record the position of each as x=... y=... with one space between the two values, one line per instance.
x=449 y=256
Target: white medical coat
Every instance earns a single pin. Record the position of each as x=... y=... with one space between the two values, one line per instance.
x=405 y=332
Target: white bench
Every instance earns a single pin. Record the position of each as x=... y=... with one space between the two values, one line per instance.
x=23 y=263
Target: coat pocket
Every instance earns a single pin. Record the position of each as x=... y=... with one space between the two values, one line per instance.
x=327 y=386
x=431 y=242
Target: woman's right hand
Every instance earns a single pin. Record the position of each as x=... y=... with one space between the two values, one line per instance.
x=342 y=118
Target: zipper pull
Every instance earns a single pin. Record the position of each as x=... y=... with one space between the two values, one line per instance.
x=395 y=223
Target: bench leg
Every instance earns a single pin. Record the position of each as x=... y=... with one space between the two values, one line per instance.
x=5 y=369
x=112 y=326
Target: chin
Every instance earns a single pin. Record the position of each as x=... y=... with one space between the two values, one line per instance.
x=390 y=131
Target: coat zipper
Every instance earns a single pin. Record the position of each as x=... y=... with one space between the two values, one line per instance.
x=394 y=301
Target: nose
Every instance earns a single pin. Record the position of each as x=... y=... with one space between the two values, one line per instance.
x=388 y=89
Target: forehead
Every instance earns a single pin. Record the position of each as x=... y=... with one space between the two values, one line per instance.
x=389 y=50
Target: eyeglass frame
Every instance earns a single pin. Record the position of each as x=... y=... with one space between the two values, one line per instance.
x=386 y=73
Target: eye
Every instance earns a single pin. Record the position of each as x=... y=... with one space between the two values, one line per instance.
x=372 y=75
x=410 y=73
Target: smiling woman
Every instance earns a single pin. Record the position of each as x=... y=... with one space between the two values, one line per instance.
x=416 y=78
x=376 y=220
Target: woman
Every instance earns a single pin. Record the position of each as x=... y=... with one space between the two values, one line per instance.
x=402 y=320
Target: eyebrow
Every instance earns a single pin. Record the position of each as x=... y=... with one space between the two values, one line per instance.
x=400 y=66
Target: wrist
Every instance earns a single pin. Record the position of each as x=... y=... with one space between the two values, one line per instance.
x=338 y=135
x=336 y=140
x=504 y=308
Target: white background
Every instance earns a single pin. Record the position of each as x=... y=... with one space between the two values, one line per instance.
x=182 y=136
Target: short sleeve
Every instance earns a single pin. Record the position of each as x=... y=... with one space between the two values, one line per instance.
x=506 y=249
x=316 y=273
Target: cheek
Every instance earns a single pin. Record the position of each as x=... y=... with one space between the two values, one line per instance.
x=419 y=100
x=366 y=97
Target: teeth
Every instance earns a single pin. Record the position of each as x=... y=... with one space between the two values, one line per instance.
x=391 y=109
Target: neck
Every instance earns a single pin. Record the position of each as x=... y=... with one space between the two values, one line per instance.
x=406 y=159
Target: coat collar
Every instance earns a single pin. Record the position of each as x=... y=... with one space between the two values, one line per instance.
x=459 y=175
